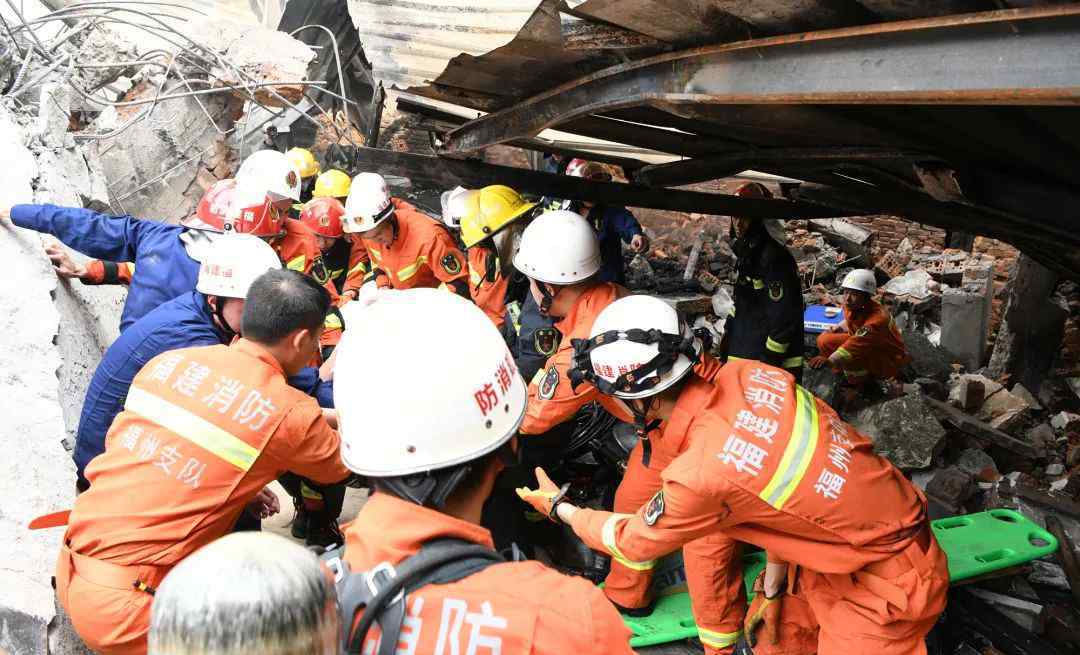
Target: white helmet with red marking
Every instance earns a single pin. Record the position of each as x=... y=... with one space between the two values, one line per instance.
x=472 y=406
x=368 y=204
x=232 y=263
x=273 y=172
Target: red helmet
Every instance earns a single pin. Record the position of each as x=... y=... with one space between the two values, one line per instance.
x=323 y=216
x=589 y=170
x=251 y=210
x=212 y=208
x=753 y=190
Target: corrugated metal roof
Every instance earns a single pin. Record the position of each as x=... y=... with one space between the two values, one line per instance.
x=411 y=42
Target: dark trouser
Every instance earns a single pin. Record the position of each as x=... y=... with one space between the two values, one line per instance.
x=508 y=518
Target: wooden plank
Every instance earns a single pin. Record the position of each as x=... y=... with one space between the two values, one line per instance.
x=976 y=428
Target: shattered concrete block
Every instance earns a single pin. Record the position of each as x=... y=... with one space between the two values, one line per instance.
x=1005 y=410
x=904 y=431
x=1048 y=574
x=854 y=240
x=1065 y=422
x=1054 y=470
x=979 y=464
x=48 y=363
x=927 y=360
x=968 y=393
x=1042 y=436
x=965 y=324
x=951 y=487
x=1020 y=391
x=912 y=284
x=54 y=116
x=1030 y=616
x=821 y=382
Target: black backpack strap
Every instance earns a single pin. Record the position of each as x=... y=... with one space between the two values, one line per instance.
x=380 y=593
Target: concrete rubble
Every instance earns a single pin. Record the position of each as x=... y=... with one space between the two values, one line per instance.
x=118 y=133
x=903 y=430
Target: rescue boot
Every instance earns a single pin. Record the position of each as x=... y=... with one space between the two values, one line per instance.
x=322 y=530
x=299 y=527
x=636 y=612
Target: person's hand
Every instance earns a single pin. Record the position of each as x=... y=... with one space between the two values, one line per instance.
x=264 y=505
x=62 y=263
x=817 y=362
x=326 y=371
x=765 y=608
x=5 y=214
x=639 y=243
x=544 y=498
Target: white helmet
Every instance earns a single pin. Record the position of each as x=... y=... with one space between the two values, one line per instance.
x=271 y=171
x=368 y=203
x=559 y=247
x=231 y=264
x=453 y=207
x=625 y=360
x=861 y=280
x=472 y=403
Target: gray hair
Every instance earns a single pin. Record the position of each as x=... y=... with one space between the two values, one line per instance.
x=248 y=592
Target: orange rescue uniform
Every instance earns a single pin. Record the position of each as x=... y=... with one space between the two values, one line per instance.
x=202 y=432
x=359 y=267
x=103 y=272
x=552 y=400
x=766 y=463
x=712 y=562
x=871 y=347
x=514 y=608
x=422 y=255
x=487 y=284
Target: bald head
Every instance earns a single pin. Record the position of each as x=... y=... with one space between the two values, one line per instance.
x=249 y=592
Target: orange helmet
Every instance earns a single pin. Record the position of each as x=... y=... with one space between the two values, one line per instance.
x=323 y=216
x=753 y=190
x=251 y=210
x=589 y=170
x=212 y=208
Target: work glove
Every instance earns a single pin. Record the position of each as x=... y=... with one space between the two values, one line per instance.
x=547 y=497
x=763 y=610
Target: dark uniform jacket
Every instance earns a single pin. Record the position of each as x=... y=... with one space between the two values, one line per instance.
x=767 y=324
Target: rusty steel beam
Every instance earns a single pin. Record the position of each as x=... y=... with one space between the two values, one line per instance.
x=998 y=57
x=691 y=171
x=445 y=173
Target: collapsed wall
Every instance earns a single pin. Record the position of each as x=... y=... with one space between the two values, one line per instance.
x=54 y=335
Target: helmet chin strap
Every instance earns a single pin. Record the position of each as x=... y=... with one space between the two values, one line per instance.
x=219 y=318
x=546 y=297
x=643 y=426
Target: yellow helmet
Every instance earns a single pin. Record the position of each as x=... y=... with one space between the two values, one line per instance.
x=332 y=184
x=489 y=210
x=304 y=161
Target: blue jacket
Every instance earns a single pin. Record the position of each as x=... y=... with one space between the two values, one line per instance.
x=184 y=322
x=164 y=268
x=612 y=225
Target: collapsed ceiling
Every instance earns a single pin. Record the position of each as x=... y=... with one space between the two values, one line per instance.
x=966 y=121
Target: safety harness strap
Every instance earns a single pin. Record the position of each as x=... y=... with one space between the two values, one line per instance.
x=379 y=594
x=670 y=346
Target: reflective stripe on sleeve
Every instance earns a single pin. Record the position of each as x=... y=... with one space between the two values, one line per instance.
x=798 y=453
x=842 y=354
x=775 y=346
x=792 y=362
x=406 y=272
x=195 y=429
x=607 y=535
x=718 y=639
x=296 y=263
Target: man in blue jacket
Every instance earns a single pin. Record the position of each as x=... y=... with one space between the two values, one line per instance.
x=165 y=255
x=614 y=225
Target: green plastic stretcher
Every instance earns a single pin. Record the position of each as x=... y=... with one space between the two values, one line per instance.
x=975 y=544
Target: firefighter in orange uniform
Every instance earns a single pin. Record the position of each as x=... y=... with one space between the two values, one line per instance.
x=766 y=463
x=407 y=249
x=203 y=431
x=867 y=344
x=431 y=472
x=488 y=217
x=560 y=255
